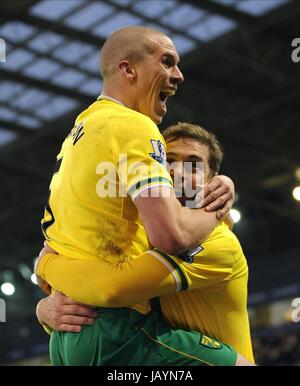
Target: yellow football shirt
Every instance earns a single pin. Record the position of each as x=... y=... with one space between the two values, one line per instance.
x=112 y=154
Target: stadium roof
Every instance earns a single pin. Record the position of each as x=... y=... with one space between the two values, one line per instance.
x=54 y=47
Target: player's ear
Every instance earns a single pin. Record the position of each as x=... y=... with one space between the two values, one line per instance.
x=127 y=70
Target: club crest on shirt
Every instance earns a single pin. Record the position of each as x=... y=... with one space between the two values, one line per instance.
x=210 y=342
x=159 y=151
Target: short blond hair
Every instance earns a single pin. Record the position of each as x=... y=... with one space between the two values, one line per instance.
x=189 y=130
x=130 y=43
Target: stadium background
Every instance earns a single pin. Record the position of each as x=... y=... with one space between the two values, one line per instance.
x=241 y=83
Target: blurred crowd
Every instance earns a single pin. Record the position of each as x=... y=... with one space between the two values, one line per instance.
x=277 y=349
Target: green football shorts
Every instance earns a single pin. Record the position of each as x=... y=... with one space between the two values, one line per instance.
x=124 y=337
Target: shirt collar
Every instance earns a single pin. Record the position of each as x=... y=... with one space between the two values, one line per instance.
x=106 y=97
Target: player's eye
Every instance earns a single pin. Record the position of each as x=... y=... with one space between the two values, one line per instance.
x=167 y=62
x=170 y=160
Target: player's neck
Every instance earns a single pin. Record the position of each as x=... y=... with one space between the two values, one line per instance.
x=118 y=95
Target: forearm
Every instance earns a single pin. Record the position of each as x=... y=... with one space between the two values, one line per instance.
x=171 y=227
x=186 y=228
x=99 y=283
x=195 y=225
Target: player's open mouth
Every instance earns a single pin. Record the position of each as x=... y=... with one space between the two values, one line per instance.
x=163 y=96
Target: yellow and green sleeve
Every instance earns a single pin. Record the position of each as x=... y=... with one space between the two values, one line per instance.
x=100 y=283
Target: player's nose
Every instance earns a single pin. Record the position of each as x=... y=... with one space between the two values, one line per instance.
x=177 y=76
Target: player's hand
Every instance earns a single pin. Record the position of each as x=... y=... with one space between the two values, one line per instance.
x=41 y=282
x=63 y=314
x=219 y=195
